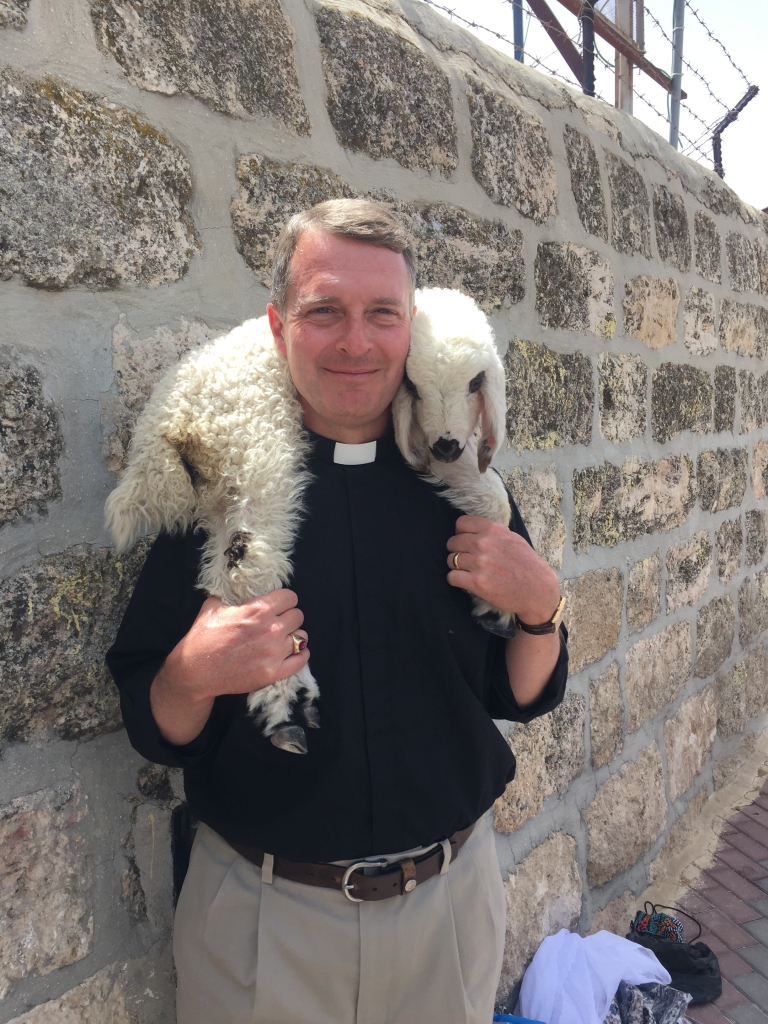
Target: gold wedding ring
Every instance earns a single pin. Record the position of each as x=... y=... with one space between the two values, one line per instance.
x=456 y=561
x=299 y=643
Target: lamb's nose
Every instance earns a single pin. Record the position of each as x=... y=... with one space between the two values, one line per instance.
x=446 y=449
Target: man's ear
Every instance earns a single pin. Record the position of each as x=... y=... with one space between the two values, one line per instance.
x=277 y=326
x=408 y=433
x=493 y=414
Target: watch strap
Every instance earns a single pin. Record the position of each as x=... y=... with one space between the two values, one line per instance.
x=543 y=628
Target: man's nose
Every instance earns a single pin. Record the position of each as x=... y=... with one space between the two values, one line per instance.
x=446 y=449
x=354 y=338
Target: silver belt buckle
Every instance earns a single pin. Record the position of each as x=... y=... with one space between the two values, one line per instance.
x=347 y=886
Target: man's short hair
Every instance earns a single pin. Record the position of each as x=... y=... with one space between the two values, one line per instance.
x=359 y=219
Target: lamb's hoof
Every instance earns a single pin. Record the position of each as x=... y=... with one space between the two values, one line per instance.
x=291 y=738
x=311 y=716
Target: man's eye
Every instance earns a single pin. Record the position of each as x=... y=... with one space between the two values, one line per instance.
x=410 y=386
x=477 y=382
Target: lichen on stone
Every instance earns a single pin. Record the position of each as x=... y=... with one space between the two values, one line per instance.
x=631 y=231
x=688 y=569
x=30 y=445
x=753 y=400
x=623 y=391
x=729 y=539
x=725 y=398
x=585 y=182
x=606 y=724
x=511 y=155
x=722 y=476
x=593 y=615
x=742 y=263
x=386 y=97
x=753 y=607
x=707 y=242
x=673 y=237
x=756 y=534
x=650 y=309
x=92 y=194
x=655 y=670
x=744 y=328
x=699 y=322
x=574 y=289
x=235 y=55
x=13 y=13
x=643 y=592
x=538 y=495
x=688 y=739
x=760 y=469
x=681 y=399
x=57 y=619
x=549 y=396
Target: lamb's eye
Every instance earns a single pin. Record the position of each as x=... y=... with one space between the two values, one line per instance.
x=477 y=382
x=410 y=385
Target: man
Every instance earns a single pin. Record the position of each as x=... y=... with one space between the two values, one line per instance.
x=407 y=760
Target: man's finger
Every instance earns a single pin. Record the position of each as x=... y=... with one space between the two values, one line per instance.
x=472 y=524
x=460 y=561
x=299 y=646
x=278 y=601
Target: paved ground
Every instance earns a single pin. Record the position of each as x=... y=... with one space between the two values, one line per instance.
x=730 y=900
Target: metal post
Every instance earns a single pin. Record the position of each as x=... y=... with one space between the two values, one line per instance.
x=587 y=18
x=519 y=36
x=640 y=24
x=678 y=16
x=730 y=117
x=623 y=65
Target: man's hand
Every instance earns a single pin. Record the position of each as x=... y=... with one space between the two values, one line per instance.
x=227 y=650
x=503 y=569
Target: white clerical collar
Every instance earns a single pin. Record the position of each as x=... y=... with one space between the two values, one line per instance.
x=354 y=454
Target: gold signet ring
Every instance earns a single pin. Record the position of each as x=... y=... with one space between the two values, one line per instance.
x=299 y=643
x=456 y=560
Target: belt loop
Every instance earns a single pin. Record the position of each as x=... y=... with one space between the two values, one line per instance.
x=267 y=868
x=446 y=845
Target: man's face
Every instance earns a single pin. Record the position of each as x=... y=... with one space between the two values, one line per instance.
x=345 y=333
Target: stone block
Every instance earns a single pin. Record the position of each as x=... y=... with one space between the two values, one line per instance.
x=744 y=328
x=385 y=96
x=605 y=716
x=151 y=834
x=511 y=156
x=688 y=569
x=57 y=619
x=270 y=193
x=756 y=674
x=593 y=615
x=138 y=363
x=13 y=13
x=673 y=236
x=550 y=396
x=731 y=693
x=650 y=310
x=630 y=206
x=46 y=876
x=543 y=895
x=236 y=56
x=111 y=208
x=727 y=770
x=456 y=249
x=681 y=399
x=655 y=670
x=742 y=263
x=722 y=476
x=585 y=182
x=643 y=592
x=574 y=289
x=685 y=830
x=699 y=322
x=550 y=755
x=715 y=626
x=538 y=495
x=688 y=737
x=760 y=469
x=761 y=248
x=628 y=813
x=707 y=241
x=725 y=398
x=753 y=607
x=618 y=503
x=154 y=782
x=756 y=536
x=753 y=400
x=729 y=539
x=623 y=391
x=616 y=916
x=30 y=445
x=99 y=1000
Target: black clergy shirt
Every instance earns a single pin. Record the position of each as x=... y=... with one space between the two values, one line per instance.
x=407 y=752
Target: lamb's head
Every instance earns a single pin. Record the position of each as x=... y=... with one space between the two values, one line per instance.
x=453 y=383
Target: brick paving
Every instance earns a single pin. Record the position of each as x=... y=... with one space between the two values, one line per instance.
x=730 y=900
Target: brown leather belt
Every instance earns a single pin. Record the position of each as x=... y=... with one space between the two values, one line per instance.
x=394 y=879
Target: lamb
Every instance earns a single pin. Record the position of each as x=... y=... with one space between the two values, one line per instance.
x=220 y=445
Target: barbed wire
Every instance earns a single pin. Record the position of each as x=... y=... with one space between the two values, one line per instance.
x=714 y=39
x=690 y=67
x=665 y=117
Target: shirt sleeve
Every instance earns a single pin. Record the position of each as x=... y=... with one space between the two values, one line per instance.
x=162 y=608
x=501 y=700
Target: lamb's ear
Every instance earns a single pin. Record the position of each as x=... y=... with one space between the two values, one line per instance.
x=408 y=433
x=155 y=492
x=493 y=414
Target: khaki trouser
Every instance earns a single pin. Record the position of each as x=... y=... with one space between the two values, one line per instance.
x=248 y=952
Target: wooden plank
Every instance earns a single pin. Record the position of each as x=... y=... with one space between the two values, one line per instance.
x=559 y=37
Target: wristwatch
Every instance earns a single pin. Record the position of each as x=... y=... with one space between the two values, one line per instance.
x=545 y=627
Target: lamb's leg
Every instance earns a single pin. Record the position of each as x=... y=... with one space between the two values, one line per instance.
x=493 y=619
x=275 y=707
x=309 y=699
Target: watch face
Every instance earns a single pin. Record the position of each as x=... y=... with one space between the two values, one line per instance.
x=558 y=616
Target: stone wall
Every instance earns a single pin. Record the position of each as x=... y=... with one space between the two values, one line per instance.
x=150 y=153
